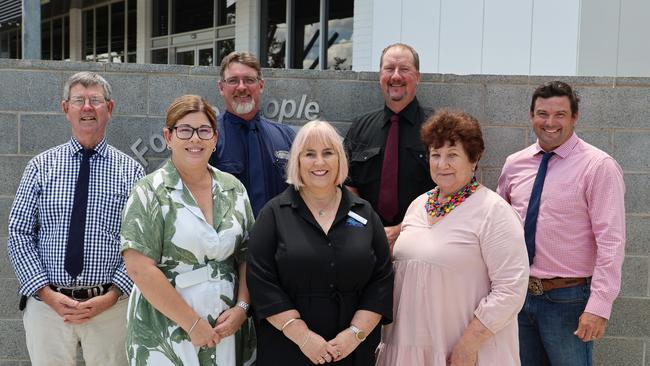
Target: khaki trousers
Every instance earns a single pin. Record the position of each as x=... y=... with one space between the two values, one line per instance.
x=52 y=342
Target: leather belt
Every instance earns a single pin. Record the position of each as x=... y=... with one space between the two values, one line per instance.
x=82 y=293
x=537 y=286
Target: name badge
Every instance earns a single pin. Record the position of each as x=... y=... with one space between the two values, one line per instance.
x=358 y=218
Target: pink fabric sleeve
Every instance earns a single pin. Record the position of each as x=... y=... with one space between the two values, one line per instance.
x=504 y=251
x=606 y=197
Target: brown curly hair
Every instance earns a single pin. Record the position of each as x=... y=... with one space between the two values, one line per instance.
x=454 y=126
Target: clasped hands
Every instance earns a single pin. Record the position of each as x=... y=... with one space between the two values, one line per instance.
x=204 y=335
x=320 y=351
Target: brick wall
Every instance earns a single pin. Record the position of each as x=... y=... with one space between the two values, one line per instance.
x=615 y=116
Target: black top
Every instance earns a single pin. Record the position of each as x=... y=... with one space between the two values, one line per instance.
x=365 y=144
x=294 y=264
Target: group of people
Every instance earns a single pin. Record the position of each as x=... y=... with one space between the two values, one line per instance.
x=253 y=244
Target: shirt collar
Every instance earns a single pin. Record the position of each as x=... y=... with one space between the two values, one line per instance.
x=171 y=178
x=291 y=197
x=235 y=119
x=409 y=113
x=563 y=150
x=101 y=148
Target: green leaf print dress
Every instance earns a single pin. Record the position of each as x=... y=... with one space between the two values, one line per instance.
x=162 y=220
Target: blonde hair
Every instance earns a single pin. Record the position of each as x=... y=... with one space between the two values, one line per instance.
x=324 y=133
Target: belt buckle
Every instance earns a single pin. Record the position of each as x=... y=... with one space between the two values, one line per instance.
x=74 y=297
x=535 y=286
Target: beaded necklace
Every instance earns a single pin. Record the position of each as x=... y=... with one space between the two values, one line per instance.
x=435 y=208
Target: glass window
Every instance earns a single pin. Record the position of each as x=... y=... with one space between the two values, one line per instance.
x=132 y=27
x=274 y=41
x=131 y=58
x=159 y=56
x=101 y=33
x=57 y=39
x=224 y=48
x=306 y=35
x=4 y=44
x=117 y=32
x=46 y=37
x=185 y=57
x=206 y=56
x=88 y=44
x=66 y=38
x=192 y=15
x=226 y=14
x=160 y=18
x=15 y=44
x=339 y=50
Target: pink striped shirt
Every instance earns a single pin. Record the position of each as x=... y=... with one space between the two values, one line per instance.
x=581 y=221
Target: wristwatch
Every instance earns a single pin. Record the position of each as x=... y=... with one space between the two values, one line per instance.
x=358 y=333
x=244 y=305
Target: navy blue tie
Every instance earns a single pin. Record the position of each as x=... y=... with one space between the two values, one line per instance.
x=74 y=253
x=256 y=179
x=530 y=226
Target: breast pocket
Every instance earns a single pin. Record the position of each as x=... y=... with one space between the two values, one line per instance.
x=280 y=161
x=111 y=205
x=419 y=155
x=365 y=166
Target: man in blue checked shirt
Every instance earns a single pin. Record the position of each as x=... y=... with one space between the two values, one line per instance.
x=64 y=240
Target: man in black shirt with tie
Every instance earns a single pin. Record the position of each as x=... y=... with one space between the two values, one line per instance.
x=388 y=162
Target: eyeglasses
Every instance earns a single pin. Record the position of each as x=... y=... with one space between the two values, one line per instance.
x=94 y=101
x=185 y=132
x=248 y=81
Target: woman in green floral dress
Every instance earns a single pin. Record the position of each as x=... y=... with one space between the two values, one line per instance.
x=184 y=233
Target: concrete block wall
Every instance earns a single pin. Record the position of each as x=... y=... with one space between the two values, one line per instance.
x=615 y=116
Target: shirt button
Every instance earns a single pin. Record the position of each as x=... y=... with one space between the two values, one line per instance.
x=331 y=264
x=212 y=357
x=329 y=245
x=331 y=285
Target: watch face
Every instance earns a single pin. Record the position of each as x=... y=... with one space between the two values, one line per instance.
x=361 y=336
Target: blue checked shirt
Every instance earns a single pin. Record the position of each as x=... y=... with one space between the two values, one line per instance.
x=40 y=217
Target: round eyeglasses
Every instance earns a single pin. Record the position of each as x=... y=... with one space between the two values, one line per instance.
x=185 y=132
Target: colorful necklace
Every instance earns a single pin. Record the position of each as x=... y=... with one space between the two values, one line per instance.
x=435 y=208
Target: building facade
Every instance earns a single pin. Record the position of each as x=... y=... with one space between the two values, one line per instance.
x=514 y=37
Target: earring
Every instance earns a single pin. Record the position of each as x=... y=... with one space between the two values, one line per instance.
x=169 y=148
x=214 y=149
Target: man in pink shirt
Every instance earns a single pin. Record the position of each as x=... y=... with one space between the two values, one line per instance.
x=571 y=197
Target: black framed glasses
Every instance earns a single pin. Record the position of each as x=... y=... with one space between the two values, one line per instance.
x=185 y=132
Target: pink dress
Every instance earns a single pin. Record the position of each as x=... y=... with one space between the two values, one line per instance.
x=471 y=263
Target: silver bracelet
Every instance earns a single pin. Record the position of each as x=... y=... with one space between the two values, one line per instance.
x=193 y=325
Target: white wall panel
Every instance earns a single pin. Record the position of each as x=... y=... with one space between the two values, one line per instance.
x=634 y=53
x=461 y=36
x=362 y=35
x=555 y=37
x=506 y=37
x=598 y=42
x=420 y=29
x=387 y=26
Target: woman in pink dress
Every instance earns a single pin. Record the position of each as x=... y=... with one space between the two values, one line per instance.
x=461 y=268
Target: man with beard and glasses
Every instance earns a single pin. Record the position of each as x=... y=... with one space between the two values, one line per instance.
x=388 y=161
x=250 y=147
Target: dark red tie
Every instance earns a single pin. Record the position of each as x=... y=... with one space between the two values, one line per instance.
x=387 y=203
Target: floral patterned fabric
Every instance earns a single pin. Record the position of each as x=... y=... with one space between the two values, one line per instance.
x=162 y=220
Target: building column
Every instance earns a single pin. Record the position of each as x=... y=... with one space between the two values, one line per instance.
x=143 y=34
x=76 y=32
x=31 y=30
x=247 y=26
